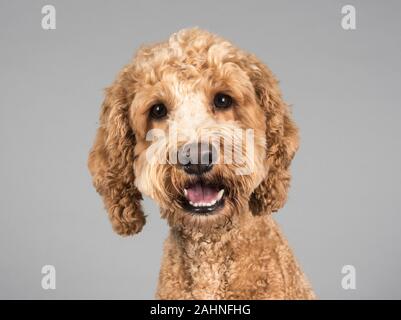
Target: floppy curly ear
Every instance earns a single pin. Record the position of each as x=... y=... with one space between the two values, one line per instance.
x=111 y=162
x=282 y=140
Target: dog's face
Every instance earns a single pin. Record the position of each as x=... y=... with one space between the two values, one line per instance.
x=199 y=126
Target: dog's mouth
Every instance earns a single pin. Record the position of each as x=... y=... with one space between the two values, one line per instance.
x=203 y=198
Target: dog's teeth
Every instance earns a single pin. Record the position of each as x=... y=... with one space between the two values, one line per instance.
x=207 y=204
x=185 y=192
x=220 y=194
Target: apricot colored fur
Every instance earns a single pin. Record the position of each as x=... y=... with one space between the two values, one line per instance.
x=240 y=252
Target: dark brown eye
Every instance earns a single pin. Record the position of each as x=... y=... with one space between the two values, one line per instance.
x=222 y=101
x=158 y=111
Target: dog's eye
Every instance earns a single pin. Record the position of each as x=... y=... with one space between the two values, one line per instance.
x=222 y=101
x=158 y=111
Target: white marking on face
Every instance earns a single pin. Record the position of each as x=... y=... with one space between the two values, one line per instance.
x=190 y=114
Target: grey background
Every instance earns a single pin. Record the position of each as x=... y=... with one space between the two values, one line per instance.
x=344 y=206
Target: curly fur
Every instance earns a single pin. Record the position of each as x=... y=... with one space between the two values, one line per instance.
x=238 y=253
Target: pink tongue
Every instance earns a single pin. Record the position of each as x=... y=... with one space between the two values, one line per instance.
x=201 y=193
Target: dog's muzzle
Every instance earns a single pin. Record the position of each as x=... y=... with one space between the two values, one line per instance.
x=196 y=159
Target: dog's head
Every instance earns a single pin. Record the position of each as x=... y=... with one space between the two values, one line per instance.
x=199 y=126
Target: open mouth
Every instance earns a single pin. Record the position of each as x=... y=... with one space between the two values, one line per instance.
x=202 y=198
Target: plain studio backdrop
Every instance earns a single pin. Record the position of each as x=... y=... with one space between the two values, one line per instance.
x=344 y=206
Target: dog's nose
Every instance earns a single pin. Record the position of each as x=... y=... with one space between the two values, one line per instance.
x=197 y=158
x=206 y=164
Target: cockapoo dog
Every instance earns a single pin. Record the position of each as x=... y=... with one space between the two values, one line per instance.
x=200 y=126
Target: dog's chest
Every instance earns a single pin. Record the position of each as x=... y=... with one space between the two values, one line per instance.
x=208 y=268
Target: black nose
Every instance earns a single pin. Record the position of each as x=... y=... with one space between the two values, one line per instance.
x=197 y=158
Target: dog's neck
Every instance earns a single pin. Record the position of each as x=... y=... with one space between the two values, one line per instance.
x=208 y=255
x=212 y=233
x=248 y=257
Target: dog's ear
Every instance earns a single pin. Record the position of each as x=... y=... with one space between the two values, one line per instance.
x=111 y=160
x=281 y=140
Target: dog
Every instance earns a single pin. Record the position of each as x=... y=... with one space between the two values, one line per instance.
x=223 y=242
